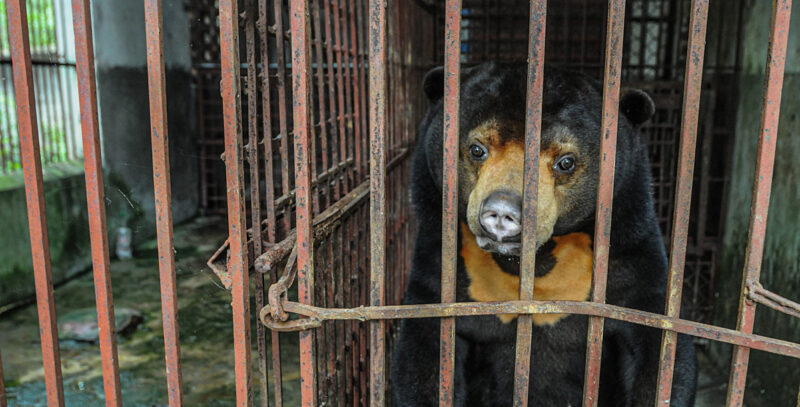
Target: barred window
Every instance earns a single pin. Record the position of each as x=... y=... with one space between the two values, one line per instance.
x=55 y=85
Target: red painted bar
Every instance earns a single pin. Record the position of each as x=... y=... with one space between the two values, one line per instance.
x=93 y=168
x=377 y=195
x=533 y=131
x=452 y=99
x=693 y=81
x=34 y=193
x=156 y=79
x=302 y=142
x=767 y=139
x=605 y=192
x=234 y=174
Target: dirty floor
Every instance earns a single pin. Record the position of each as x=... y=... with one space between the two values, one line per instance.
x=205 y=328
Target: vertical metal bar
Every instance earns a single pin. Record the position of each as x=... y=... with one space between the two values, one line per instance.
x=330 y=44
x=767 y=139
x=323 y=120
x=305 y=243
x=533 y=130
x=252 y=148
x=605 y=192
x=156 y=79
x=693 y=82
x=34 y=193
x=234 y=174
x=3 y=402
x=93 y=168
x=342 y=110
x=377 y=194
x=356 y=117
x=280 y=45
x=452 y=99
x=26 y=112
x=269 y=188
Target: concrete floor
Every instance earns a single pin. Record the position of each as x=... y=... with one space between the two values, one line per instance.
x=205 y=327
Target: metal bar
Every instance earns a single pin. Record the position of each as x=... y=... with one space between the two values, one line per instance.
x=282 y=118
x=156 y=79
x=252 y=148
x=269 y=190
x=320 y=73
x=93 y=168
x=334 y=109
x=358 y=174
x=34 y=193
x=3 y=401
x=338 y=44
x=314 y=316
x=377 y=195
x=305 y=238
x=693 y=82
x=767 y=139
x=234 y=174
x=533 y=130
x=452 y=99
x=605 y=192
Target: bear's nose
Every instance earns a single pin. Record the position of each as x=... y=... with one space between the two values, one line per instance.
x=501 y=214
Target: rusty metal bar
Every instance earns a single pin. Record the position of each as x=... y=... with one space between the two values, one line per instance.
x=377 y=195
x=605 y=193
x=3 y=401
x=759 y=294
x=251 y=149
x=533 y=131
x=280 y=53
x=93 y=168
x=269 y=189
x=234 y=174
x=452 y=73
x=314 y=316
x=693 y=82
x=34 y=193
x=305 y=240
x=767 y=139
x=156 y=79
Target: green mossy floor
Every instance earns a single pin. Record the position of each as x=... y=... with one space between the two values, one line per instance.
x=204 y=319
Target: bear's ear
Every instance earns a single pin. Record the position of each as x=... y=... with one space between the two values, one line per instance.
x=433 y=84
x=636 y=105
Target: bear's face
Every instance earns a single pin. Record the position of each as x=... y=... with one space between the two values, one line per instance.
x=492 y=143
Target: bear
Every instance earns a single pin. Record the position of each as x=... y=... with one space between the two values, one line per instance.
x=490 y=172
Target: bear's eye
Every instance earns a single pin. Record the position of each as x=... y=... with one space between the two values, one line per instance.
x=565 y=164
x=478 y=152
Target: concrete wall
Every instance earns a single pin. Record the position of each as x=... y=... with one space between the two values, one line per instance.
x=772 y=380
x=67 y=228
x=120 y=56
x=119 y=40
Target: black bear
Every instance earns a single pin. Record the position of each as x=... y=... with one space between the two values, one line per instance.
x=491 y=144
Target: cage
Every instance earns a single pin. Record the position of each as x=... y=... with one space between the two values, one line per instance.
x=307 y=154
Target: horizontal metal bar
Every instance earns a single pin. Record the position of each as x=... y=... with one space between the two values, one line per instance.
x=757 y=293
x=314 y=316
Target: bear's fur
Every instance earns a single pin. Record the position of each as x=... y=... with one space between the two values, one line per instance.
x=492 y=115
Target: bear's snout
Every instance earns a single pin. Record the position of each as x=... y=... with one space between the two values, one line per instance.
x=501 y=215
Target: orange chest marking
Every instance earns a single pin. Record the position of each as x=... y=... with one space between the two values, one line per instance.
x=570 y=278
